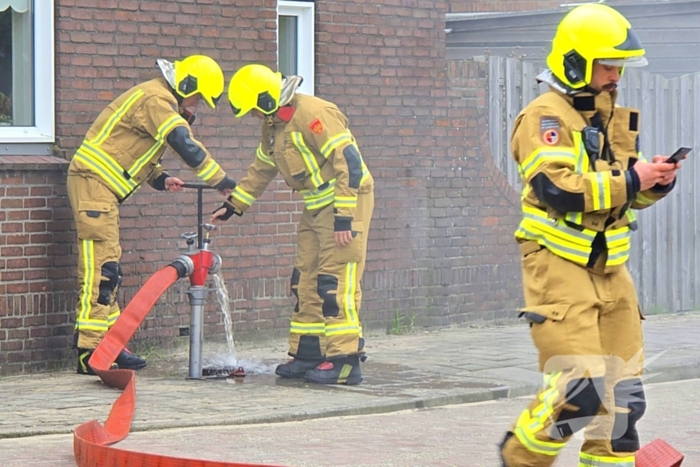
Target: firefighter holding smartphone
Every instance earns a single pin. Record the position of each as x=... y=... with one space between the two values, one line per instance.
x=583 y=177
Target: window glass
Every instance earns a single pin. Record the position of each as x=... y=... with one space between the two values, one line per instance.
x=16 y=63
x=288 y=45
x=295 y=41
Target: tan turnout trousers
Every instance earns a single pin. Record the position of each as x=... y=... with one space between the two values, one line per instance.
x=586 y=326
x=96 y=214
x=326 y=281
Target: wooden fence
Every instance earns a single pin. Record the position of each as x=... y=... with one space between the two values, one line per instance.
x=665 y=257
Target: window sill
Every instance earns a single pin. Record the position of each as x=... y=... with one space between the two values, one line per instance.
x=32 y=163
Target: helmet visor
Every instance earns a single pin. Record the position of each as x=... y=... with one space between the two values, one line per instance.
x=632 y=62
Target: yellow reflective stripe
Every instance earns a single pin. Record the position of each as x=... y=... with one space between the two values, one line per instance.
x=115 y=117
x=548 y=397
x=535 y=445
x=527 y=427
x=110 y=179
x=617 y=237
x=307 y=328
x=600 y=185
x=105 y=166
x=365 y=173
x=264 y=157
x=619 y=244
x=556 y=248
x=99 y=325
x=167 y=126
x=312 y=204
x=641 y=157
x=588 y=460
x=575 y=217
x=581 y=167
x=558 y=228
x=112 y=318
x=643 y=200
x=209 y=170
x=582 y=161
x=349 y=293
x=337 y=330
x=541 y=155
x=332 y=144
x=161 y=133
x=319 y=198
x=243 y=196
x=88 y=250
x=631 y=216
x=309 y=158
x=137 y=166
x=349 y=202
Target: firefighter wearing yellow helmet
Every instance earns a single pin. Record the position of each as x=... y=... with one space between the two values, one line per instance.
x=307 y=141
x=121 y=151
x=583 y=177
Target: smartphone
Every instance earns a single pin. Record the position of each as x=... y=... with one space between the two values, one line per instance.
x=678 y=155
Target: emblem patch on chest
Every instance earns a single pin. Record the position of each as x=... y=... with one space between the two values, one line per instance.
x=316 y=126
x=549 y=130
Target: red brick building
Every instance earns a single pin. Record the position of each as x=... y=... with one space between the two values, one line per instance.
x=441 y=244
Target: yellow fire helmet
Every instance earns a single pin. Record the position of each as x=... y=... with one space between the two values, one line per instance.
x=593 y=32
x=255 y=86
x=199 y=74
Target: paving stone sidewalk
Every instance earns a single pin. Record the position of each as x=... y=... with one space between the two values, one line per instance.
x=424 y=369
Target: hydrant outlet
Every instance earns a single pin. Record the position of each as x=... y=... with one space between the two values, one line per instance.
x=184 y=266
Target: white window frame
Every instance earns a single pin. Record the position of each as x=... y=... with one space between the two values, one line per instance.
x=44 y=130
x=305 y=13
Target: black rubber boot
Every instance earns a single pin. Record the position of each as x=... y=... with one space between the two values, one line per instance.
x=361 y=349
x=83 y=358
x=508 y=436
x=344 y=370
x=296 y=368
x=129 y=361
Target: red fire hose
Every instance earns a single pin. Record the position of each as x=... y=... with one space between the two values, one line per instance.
x=91 y=441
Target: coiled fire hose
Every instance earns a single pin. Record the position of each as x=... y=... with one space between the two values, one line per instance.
x=92 y=441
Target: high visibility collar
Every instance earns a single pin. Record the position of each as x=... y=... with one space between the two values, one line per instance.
x=588 y=104
x=286 y=113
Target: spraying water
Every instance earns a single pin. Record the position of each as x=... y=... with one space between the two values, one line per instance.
x=230 y=360
x=224 y=304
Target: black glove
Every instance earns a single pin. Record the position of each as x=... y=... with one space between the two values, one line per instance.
x=159 y=183
x=230 y=211
x=226 y=183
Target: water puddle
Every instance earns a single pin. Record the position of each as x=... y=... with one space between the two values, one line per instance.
x=222 y=363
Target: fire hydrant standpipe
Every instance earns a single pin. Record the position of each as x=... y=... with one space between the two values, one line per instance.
x=200 y=222
x=204 y=263
x=92 y=442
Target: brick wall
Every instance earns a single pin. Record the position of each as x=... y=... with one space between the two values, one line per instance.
x=36 y=263
x=441 y=241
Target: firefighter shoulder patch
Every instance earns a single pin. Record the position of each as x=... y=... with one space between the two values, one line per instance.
x=549 y=130
x=316 y=126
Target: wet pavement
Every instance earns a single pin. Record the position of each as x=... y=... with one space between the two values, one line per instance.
x=424 y=369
